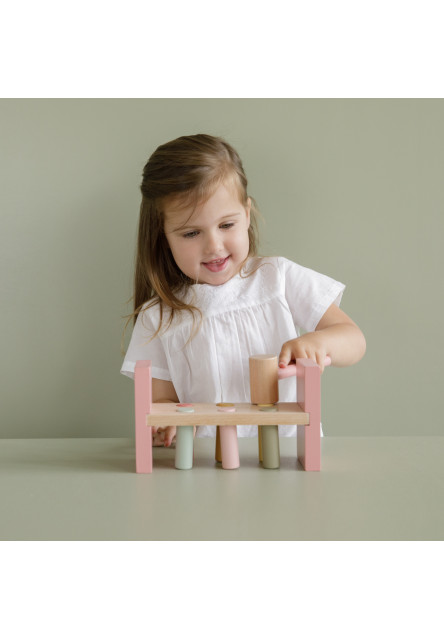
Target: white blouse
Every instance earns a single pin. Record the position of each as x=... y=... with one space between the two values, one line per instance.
x=248 y=315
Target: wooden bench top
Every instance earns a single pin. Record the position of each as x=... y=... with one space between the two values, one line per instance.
x=164 y=414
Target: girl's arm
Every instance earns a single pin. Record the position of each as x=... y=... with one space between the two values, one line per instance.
x=164 y=391
x=336 y=335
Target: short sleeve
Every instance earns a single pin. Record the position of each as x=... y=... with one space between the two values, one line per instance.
x=143 y=346
x=308 y=293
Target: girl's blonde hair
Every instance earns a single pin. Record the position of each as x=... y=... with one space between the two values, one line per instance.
x=187 y=170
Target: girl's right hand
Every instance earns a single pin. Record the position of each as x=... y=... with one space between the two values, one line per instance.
x=163 y=391
x=163 y=436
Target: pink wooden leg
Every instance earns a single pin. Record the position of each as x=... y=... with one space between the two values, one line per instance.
x=229 y=447
x=144 y=438
x=309 y=397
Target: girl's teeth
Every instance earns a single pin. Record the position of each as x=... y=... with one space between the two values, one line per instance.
x=214 y=265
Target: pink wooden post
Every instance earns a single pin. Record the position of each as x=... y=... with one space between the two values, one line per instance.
x=309 y=398
x=229 y=447
x=144 y=438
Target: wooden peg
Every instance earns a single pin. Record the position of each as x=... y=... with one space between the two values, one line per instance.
x=218 y=454
x=264 y=379
x=264 y=390
x=184 y=447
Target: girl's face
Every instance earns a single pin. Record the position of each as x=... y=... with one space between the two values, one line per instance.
x=211 y=245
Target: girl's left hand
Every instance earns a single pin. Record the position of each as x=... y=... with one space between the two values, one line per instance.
x=310 y=345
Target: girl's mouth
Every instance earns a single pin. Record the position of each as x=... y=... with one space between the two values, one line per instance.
x=216 y=265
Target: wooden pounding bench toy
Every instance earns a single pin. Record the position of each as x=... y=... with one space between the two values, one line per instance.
x=265 y=410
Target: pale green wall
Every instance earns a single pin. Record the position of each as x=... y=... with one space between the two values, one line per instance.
x=351 y=188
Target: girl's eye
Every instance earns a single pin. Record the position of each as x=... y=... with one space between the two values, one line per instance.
x=193 y=234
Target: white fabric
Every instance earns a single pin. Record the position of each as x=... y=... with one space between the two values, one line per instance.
x=245 y=316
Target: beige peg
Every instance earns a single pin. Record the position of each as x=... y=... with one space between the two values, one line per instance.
x=264 y=379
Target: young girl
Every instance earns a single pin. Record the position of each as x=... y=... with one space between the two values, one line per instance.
x=204 y=301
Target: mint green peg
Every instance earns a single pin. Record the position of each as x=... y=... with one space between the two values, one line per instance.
x=184 y=447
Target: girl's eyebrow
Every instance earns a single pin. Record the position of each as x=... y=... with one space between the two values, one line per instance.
x=190 y=226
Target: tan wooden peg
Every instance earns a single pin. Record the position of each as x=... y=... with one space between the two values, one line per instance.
x=264 y=379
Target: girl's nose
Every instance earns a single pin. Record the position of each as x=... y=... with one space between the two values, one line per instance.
x=213 y=243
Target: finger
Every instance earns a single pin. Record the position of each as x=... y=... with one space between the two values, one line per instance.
x=285 y=355
x=170 y=432
x=320 y=361
x=316 y=358
x=312 y=355
x=159 y=438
